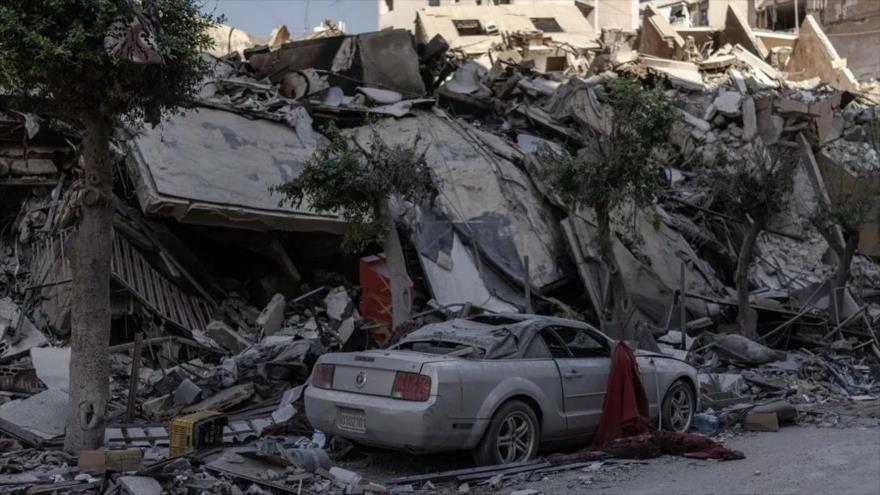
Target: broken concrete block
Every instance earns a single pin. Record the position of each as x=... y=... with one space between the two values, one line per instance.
x=784 y=411
x=187 y=393
x=272 y=316
x=17 y=334
x=338 y=303
x=740 y=349
x=787 y=105
x=750 y=119
x=224 y=335
x=684 y=75
x=717 y=61
x=344 y=477
x=757 y=421
x=728 y=103
x=156 y=407
x=101 y=461
x=381 y=96
x=623 y=56
x=828 y=126
x=739 y=80
x=763 y=71
x=52 y=365
x=140 y=485
x=696 y=122
x=224 y=399
x=40 y=417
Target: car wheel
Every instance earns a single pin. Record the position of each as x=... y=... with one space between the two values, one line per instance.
x=513 y=435
x=678 y=407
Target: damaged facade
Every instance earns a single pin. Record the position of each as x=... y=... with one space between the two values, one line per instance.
x=852 y=27
x=223 y=300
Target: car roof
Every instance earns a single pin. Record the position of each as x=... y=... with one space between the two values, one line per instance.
x=499 y=334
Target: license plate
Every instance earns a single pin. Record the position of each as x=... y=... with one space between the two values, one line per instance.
x=352 y=420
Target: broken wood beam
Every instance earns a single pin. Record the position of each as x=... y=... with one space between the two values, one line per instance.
x=158 y=340
x=444 y=476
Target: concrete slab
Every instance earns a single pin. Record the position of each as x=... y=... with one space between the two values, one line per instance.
x=214 y=167
x=43 y=415
x=52 y=365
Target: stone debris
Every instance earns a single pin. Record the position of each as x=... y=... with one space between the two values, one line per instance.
x=235 y=297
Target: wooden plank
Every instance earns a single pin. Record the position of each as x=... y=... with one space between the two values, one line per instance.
x=503 y=472
x=444 y=476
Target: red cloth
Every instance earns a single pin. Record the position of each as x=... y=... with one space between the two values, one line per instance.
x=624 y=429
x=625 y=411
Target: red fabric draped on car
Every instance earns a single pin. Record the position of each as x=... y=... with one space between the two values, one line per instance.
x=625 y=411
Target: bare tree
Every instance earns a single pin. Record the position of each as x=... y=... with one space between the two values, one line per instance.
x=753 y=187
x=363 y=184
x=853 y=197
x=615 y=168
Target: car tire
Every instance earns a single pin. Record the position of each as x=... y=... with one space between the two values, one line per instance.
x=679 y=406
x=499 y=446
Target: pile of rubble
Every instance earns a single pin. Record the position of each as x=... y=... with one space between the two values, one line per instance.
x=223 y=299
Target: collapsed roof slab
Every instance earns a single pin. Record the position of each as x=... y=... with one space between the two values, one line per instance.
x=492 y=204
x=212 y=167
x=815 y=56
x=684 y=75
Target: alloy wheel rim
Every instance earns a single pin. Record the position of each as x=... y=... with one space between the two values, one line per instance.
x=516 y=438
x=680 y=410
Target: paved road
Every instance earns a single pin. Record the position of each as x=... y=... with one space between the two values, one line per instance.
x=794 y=460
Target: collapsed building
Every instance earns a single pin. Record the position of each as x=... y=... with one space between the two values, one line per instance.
x=223 y=299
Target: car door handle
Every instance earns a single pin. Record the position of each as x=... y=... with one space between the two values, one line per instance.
x=573 y=374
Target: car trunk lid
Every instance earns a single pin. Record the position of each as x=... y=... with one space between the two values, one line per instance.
x=373 y=372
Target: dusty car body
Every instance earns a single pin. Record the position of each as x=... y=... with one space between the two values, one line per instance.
x=501 y=385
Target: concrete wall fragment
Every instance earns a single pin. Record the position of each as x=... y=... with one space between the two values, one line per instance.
x=853 y=26
x=738 y=31
x=658 y=37
x=815 y=56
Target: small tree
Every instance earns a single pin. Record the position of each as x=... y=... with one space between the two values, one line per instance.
x=615 y=167
x=94 y=62
x=364 y=185
x=853 y=196
x=753 y=187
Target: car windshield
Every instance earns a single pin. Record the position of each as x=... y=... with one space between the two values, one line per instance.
x=492 y=342
x=444 y=348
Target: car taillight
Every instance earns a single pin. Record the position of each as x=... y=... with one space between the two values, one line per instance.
x=411 y=386
x=323 y=377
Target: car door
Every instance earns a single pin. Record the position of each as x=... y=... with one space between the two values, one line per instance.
x=648 y=375
x=583 y=359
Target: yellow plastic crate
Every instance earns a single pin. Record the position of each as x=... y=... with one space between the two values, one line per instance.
x=195 y=431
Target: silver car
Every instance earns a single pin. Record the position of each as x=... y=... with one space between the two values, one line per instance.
x=503 y=386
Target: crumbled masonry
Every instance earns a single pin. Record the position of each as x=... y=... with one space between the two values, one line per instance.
x=235 y=296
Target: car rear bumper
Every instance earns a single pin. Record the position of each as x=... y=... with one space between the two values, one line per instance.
x=390 y=423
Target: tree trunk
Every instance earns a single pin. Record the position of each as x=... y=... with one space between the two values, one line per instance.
x=90 y=294
x=618 y=304
x=841 y=273
x=747 y=318
x=401 y=296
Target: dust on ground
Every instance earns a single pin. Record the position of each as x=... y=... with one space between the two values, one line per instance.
x=794 y=460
